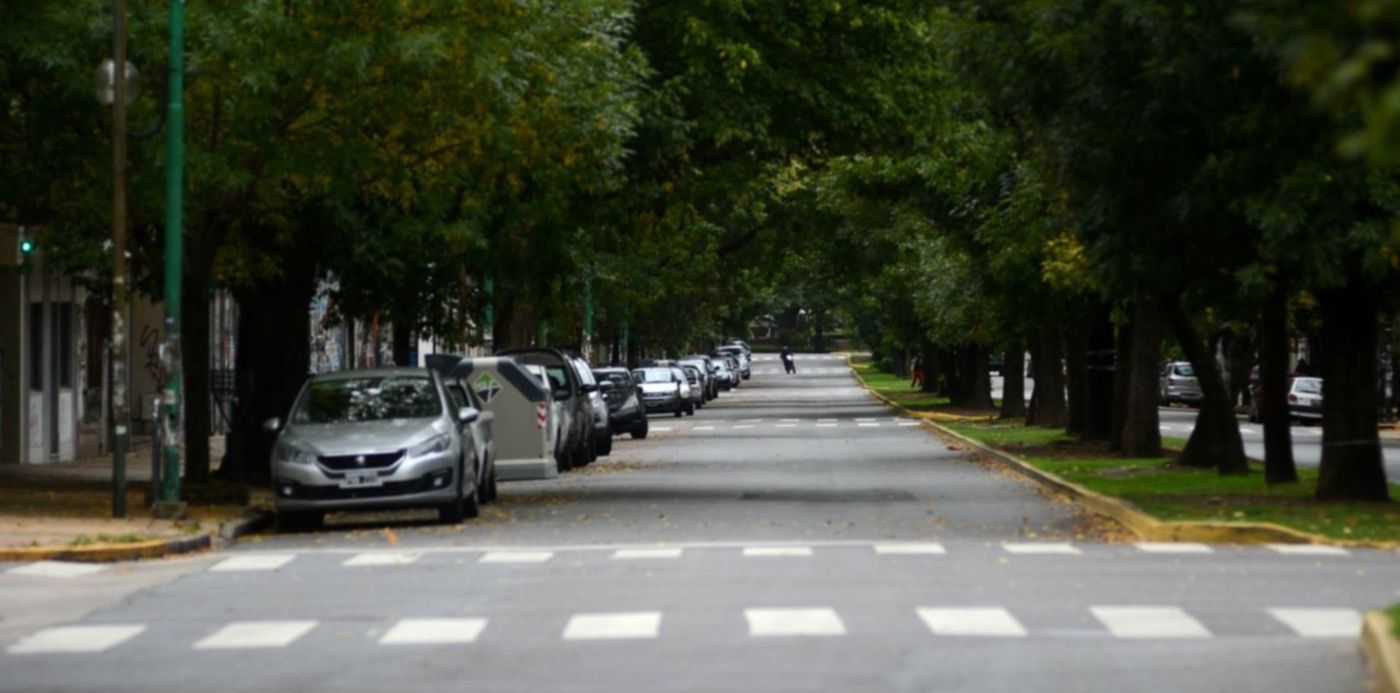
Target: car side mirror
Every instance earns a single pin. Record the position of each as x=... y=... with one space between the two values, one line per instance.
x=468 y=415
x=272 y=425
x=606 y=387
x=589 y=388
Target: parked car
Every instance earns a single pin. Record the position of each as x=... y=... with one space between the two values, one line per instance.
x=374 y=439
x=724 y=377
x=1304 y=400
x=1179 y=384
x=739 y=343
x=687 y=389
x=569 y=390
x=527 y=419
x=742 y=357
x=707 y=371
x=697 y=384
x=483 y=433
x=733 y=361
x=602 y=429
x=626 y=411
x=663 y=390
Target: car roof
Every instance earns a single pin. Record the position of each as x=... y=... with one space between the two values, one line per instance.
x=375 y=373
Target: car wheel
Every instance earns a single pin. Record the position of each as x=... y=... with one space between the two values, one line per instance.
x=639 y=432
x=679 y=412
x=455 y=510
x=491 y=491
x=471 y=505
x=607 y=447
x=299 y=520
x=690 y=409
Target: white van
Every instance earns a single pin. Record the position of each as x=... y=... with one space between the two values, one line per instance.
x=524 y=424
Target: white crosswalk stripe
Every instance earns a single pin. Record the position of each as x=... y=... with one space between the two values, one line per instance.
x=1149 y=622
x=1172 y=547
x=255 y=634
x=265 y=561
x=56 y=569
x=434 y=631
x=910 y=549
x=377 y=558
x=75 y=639
x=618 y=626
x=1039 y=549
x=640 y=554
x=972 y=621
x=1320 y=623
x=517 y=556
x=777 y=551
x=1308 y=550
x=794 y=622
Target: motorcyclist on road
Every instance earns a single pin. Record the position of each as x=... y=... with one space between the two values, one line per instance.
x=789 y=363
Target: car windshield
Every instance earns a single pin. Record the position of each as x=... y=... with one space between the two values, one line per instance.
x=1185 y=371
x=343 y=400
x=1308 y=386
x=618 y=379
x=557 y=378
x=652 y=375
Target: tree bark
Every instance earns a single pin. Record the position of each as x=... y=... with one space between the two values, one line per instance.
x=1215 y=441
x=930 y=356
x=1352 y=467
x=1048 y=396
x=1101 y=368
x=1122 y=382
x=975 y=387
x=1077 y=382
x=1013 y=382
x=1272 y=401
x=194 y=366
x=402 y=338
x=1142 y=433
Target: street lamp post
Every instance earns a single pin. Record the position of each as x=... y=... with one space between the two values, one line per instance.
x=120 y=290
x=172 y=396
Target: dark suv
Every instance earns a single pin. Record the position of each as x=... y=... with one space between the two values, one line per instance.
x=626 y=411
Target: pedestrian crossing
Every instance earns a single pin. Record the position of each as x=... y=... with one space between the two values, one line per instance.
x=935 y=621
x=803 y=370
x=711 y=426
x=496 y=556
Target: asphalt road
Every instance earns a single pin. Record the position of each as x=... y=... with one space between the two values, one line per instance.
x=1307 y=440
x=794 y=535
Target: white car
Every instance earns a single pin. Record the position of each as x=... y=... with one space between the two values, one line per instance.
x=664 y=389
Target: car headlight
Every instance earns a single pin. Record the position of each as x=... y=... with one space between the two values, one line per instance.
x=287 y=452
x=430 y=446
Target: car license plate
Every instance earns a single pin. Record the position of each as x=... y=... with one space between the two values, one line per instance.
x=360 y=480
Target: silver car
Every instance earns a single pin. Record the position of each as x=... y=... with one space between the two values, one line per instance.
x=1179 y=384
x=375 y=439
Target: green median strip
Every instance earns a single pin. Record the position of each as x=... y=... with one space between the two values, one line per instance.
x=896 y=388
x=1394 y=614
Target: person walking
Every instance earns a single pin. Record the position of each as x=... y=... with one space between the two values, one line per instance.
x=789 y=364
x=918 y=373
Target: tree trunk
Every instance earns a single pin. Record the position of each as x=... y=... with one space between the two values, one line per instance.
x=1101 y=365
x=194 y=366
x=1013 y=382
x=1122 y=382
x=1048 y=396
x=930 y=356
x=975 y=387
x=1352 y=466
x=402 y=343
x=1272 y=402
x=1215 y=441
x=1142 y=433
x=1077 y=380
x=274 y=353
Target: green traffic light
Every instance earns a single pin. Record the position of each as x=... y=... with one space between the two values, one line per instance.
x=26 y=246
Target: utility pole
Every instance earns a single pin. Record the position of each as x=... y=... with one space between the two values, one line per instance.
x=588 y=319
x=120 y=290
x=172 y=395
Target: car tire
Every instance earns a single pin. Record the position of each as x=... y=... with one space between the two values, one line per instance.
x=639 y=432
x=471 y=505
x=492 y=493
x=679 y=413
x=690 y=409
x=455 y=510
x=607 y=447
x=299 y=520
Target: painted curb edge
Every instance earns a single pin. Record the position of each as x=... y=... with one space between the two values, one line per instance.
x=108 y=553
x=1382 y=652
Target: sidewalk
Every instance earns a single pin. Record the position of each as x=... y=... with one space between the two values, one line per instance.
x=69 y=505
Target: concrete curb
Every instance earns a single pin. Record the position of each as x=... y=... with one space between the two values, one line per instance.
x=107 y=553
x=1145 y=526
x=1382 y=652
x=251 y=521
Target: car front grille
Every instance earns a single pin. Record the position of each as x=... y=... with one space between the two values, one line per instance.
x=372 y=461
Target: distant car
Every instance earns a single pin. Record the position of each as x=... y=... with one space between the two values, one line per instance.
x=627 y=413
x=687 y=389
x=1179 y=384
x=697 y=384
x=732 y=360
x=1304 y=400
x=707 y=371
x=725 y=378
x=375 y=439
x=739 y=343
x=742 y=357
x=663 y=390
x=572 y=392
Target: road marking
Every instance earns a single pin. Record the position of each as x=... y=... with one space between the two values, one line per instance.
x=909 y=423
x=1172 y=547
x=776 y=551
x=971 y=621
x=1308 y=550
x=910 y=549
x=1149 y=622
x=57 y=569
x=793 y=622
x=517 y=557
x=865 y=420
x=259 y=634
x=636 y=554
x=1040 y=549
x=265 y=561
x=741 y=427
x=750 y=420
x=827 y=420
x=434 y=631
x=787 y=426
x=868 y=425
x=70 y=639
x=381 y=558
x=703 y=428
x=826 y=425
x=1320 y=623
x=618 y=626
x=661 y=429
